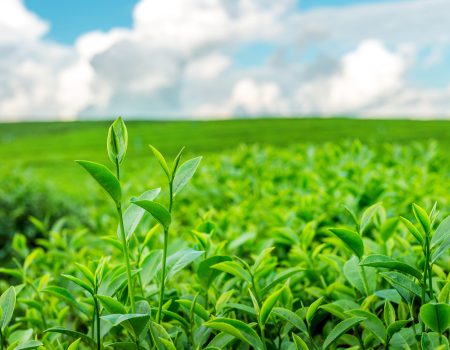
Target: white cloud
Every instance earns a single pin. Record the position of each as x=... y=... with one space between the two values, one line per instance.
x=178 y=60
x=364 y=76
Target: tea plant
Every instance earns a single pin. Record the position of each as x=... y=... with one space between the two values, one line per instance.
x=309 y=247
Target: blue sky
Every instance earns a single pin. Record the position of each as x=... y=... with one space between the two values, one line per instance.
x=221 y=58
x=70 y=19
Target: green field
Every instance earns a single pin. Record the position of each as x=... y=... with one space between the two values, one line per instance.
x=297 y=234
x=50 y=148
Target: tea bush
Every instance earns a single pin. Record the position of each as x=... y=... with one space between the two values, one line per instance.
x=307 y=247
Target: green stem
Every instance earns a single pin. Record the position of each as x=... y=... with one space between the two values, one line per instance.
x=97 y=317
x=263 y=336
x=164 y=257
x=163 y=276
x=1 y=339
x=127 y=259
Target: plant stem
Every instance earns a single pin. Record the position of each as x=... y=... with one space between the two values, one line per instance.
x=163 y=276
x=127 y=259
x=164 y=257
x=1 y=339
x=97 y=317
x=263 y=336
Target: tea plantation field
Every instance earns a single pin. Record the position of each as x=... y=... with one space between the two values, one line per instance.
x=263 y=234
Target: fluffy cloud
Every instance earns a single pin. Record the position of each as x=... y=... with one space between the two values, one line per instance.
x=180 y=59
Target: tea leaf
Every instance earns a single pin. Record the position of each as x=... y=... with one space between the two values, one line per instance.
x=436 y=316
x=184 y=174
x=160 y=213
x=341 y=328
x=104 y=178
x=351 y=239
x=268 y=305
x=117 y=141
x=7 y=305
x=238 y=329
x=389 y=263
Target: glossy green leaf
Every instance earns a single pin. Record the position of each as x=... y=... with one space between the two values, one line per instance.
x=268 y=305
x=160 y=213
x=367 y=216
x=65 y=295
x=422 y=217
x=235 y=269
x=184 y=174
x=179 y=260
x=198 y=308
x=372 y=323
x=442 y=233
x=134 y=323
x=105 y=178
x=384 y=261
x=413 y=230
x=205 y=271
x=7 y=305
x=404 y=285
x=70 y=333
x=290 y=317
x=117 y=141
x=312 y=309
x=351 y=239
x=112 y=305
x=74 y=345
x=299 y=342
x=396 y=327
x=30 y=344
x=238 y=329
x=436 y=316
x=340 y=329
x=162 y=161
x=80 y=283
x=134 y=213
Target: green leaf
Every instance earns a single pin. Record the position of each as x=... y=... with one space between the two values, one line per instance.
x=30 y=344
x=184 y=174
x=207 y=274
x=7 y=305
x=160 y=213
x=442 y=233
x=422 y=217
x=413 y=230
x=179 y=260
x=112 y=305
x=340 y=329
x=371 y=323
x=351 y=239
x=80 y=283
x=105 y=178
x=117 y=141
x=238 y=329
x=312 y=309
x=281 y=277
x=367 y=216
x=176 y=161
x=86 y=273
x=134 y=323
x=268 y=305
x=388 y=227
x=161 y=160
x=134 y=214
x=434 y=341
x=198 y=308
x=396 y=327
x=73 y=334
x=65 y=295
x=74 y=345
x=235 y=269
x=389 y=263
x=299 y=342
x=442 y=248
x=361 y=278
x=291 y=317
x=436 y=316
x=404 y=285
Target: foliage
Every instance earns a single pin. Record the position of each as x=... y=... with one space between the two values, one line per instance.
x=309 y=247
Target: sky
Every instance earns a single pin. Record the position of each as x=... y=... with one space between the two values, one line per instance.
x=211 y=59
